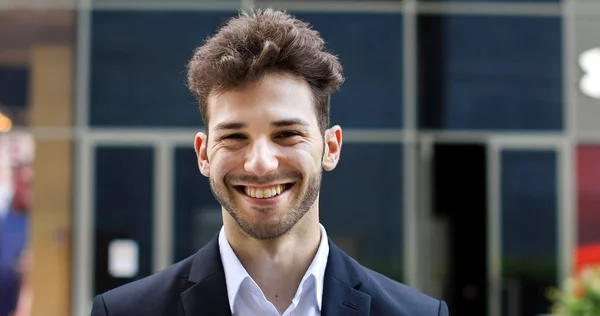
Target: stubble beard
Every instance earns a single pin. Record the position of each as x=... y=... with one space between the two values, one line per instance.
x=273 y=229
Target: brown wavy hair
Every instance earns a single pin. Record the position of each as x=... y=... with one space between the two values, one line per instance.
x=261 y=42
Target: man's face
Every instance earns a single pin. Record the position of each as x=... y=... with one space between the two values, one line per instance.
x=264 y=153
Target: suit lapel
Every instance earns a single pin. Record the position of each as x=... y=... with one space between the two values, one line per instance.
x=343 y=276
x=207 y=295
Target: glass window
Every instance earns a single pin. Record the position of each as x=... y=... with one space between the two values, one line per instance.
x=123 y=207
x=138 y=66
x=173 y=4
x=270 y=2
x=497 y=1
x=13 y=86
x=138 y=61
x=369 y=46
x=490 y=73
x=529 y=229
x=22 y=34
x=588 y=204
x=14 y=101
x=197 y=217
x=360 y=207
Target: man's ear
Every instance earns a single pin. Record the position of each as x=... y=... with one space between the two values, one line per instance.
x=200 y=147
x=333 y=147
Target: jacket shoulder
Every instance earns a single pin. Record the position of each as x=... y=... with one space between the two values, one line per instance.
x=389 y=297
x=157 y=294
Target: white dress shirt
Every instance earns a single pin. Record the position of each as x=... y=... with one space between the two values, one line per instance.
x=247 y=299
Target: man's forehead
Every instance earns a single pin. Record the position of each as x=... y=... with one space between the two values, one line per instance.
x=272 y=98
x=272 y=116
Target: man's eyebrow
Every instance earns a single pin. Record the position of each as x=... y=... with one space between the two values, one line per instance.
x=229 y=125
x=278 y=123
x=290 y=122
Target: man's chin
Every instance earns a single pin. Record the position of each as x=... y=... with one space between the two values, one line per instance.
x=261 y=216
x=262 y=223
x=265 y=231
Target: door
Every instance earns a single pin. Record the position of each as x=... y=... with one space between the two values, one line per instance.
x=459 y=196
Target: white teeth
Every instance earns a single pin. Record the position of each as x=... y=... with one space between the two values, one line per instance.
x=264 y=193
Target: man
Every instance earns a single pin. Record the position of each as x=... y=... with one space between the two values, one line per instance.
x=13 y=241
x=263 y=83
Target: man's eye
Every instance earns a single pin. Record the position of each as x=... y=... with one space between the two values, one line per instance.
x=234 y=136
x=287 y=134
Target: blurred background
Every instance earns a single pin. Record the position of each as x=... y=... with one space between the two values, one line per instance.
x=470 y=169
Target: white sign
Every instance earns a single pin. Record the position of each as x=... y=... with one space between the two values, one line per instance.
x=123 y=258
x=589 y=61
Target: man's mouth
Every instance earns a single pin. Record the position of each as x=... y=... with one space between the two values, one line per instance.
x=264 y=192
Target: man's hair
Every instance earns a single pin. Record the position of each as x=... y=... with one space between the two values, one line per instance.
x=262 y=42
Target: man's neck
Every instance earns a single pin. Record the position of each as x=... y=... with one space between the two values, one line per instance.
x=278 y=265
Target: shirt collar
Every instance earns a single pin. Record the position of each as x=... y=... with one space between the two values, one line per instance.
x=236 y=274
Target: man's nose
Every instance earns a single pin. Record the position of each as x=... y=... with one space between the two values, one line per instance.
x=261 y=158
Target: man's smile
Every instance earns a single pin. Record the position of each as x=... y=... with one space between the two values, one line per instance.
x=264 y=192
x=264 y=195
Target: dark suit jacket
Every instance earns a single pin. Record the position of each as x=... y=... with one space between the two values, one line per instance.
x=196 y=287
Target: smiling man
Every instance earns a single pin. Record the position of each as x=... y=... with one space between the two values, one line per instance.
x=263 y=83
